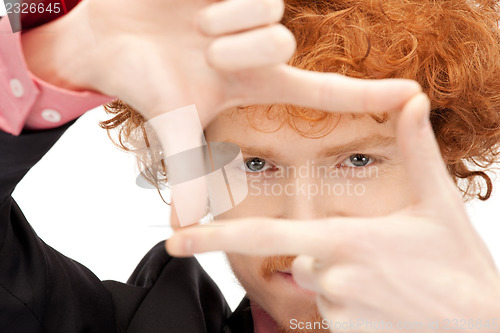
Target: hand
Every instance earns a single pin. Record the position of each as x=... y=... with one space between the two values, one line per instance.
x=423 y=266
x=159 y=55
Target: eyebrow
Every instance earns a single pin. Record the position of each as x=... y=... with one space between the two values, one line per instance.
x=358 y=145
x=262 y=152
x=355 y=146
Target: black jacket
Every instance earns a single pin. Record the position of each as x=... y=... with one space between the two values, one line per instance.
x=41 y=290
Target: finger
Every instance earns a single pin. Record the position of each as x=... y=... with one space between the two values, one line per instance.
x=253 y=49
x=304 y=272
x=269 y=237
x=177 y=132
x=343 y=283
x=424 y=164
x=329 y=91
x=336 y=282
x=237 y=15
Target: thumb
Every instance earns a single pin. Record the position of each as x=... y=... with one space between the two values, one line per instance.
x=426 y=169
x=329 y=91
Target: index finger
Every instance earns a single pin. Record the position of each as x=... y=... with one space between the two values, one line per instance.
x=264 y=236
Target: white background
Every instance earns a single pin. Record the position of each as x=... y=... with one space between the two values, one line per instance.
x=82 y=200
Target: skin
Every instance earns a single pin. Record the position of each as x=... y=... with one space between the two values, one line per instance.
x=421 y=263
x=383 y=180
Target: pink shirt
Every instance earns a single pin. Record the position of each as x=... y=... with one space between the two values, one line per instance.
x=28 y=102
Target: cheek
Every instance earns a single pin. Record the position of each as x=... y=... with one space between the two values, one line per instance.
x=247 y=271
x=246 y=268
x=382 y=195
x=258 y=202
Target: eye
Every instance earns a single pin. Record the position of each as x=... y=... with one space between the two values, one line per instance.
x=357 y=161
x=257 y=164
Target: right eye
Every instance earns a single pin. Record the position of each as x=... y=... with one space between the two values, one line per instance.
x=257 y=164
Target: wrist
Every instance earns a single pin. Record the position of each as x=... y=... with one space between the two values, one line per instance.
x=60 y=51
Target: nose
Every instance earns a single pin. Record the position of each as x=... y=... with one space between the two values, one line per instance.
x=304 y=199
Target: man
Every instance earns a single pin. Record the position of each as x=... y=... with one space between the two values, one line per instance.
x=42 y=290
x=304 y=164
x=180 y=276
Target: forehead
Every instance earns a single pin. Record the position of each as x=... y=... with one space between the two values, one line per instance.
x=254 y=129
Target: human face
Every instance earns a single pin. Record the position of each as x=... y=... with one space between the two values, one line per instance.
x=355 y=170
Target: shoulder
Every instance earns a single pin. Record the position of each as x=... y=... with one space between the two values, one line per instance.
x=169 y=294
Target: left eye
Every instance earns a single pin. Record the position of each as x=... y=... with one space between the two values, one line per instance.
x=357 y=161
x=257 y=164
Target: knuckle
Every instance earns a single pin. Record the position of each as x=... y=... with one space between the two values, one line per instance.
x=212 y=54
x=204 y=21
x=332 y=285
x=273 y=9
x=340 y=285
x=283 y=41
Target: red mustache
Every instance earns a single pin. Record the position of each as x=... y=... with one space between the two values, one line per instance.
x=275 y=264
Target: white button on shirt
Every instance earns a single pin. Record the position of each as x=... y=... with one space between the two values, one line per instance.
x=16 y=87
x=52 y=116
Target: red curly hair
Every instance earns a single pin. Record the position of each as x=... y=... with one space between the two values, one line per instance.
x=452 y=48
